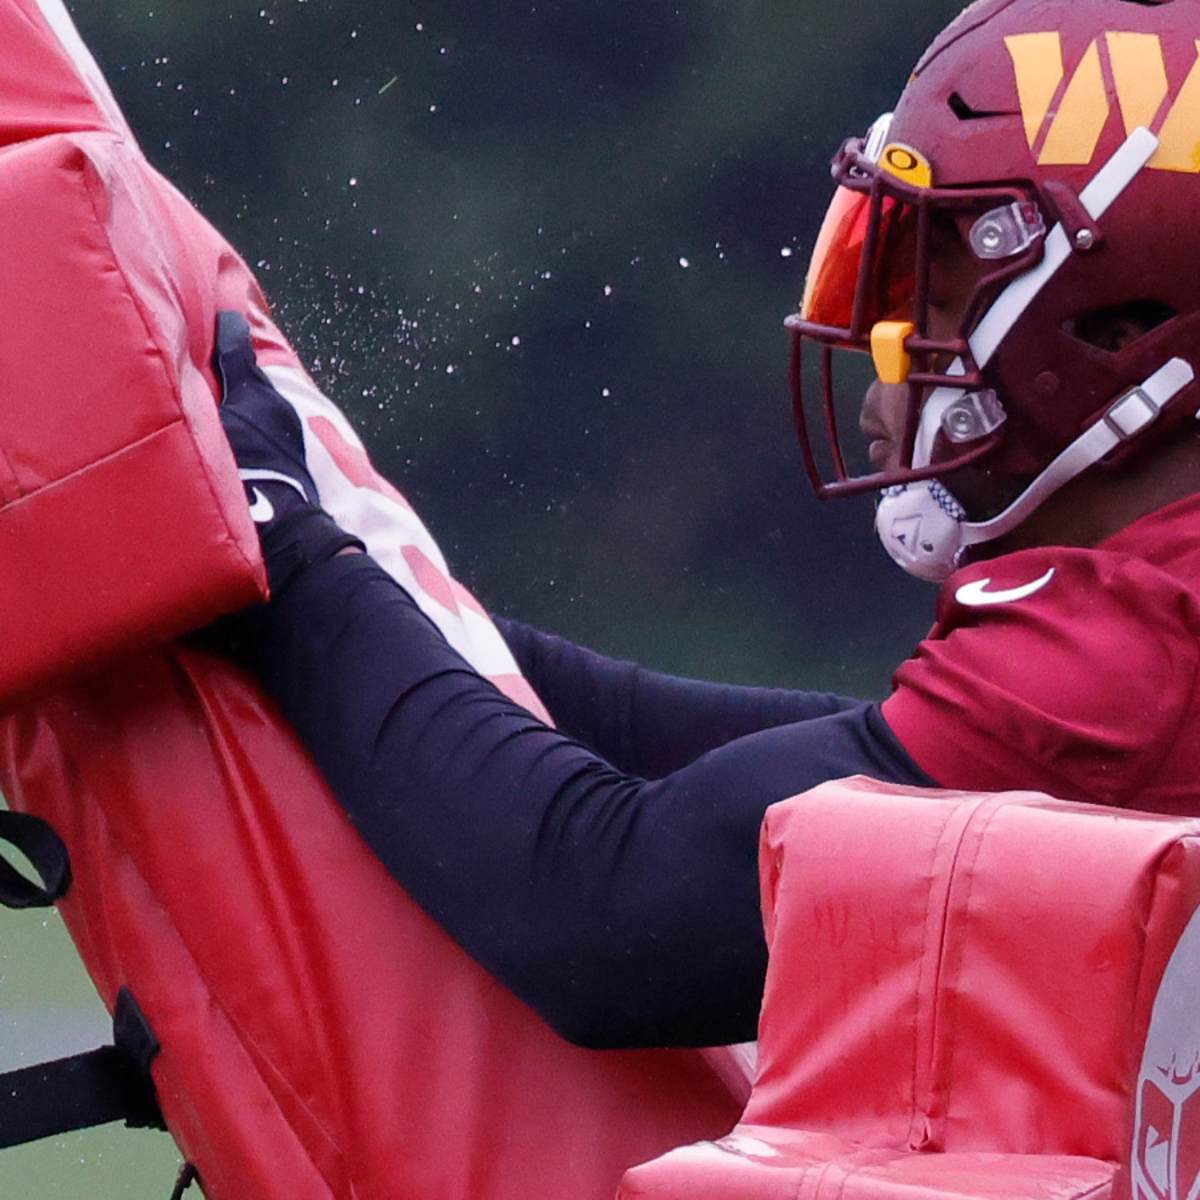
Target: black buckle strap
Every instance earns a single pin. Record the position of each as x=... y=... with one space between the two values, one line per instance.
x=109 y=1084
x=48 y=856
x=112 y=1083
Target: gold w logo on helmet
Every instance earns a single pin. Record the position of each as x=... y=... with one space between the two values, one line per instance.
x=1065 y=116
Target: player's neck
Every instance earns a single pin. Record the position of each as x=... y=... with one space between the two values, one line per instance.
x=1097 y=505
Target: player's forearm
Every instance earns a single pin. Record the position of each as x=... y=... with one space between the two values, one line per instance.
x=625 y=911
x=645 y=722
x=622 y=919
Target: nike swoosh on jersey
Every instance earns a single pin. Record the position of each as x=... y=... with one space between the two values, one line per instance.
x=261 y=509
x=976 y=595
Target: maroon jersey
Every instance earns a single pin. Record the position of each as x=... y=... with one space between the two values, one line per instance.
x=1066 y=670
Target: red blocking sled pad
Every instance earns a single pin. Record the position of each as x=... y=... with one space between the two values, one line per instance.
x=968 y=996
x=320 y=1037
x=120 y=518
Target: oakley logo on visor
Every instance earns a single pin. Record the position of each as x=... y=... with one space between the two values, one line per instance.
x=907 y=164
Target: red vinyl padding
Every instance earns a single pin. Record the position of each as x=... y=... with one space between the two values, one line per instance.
x=119 y=521
x=968 y=995
x=321 y=1037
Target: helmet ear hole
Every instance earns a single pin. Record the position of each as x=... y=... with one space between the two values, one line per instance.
x=1118 y=326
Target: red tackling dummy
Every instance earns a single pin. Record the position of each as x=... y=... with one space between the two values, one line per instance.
x=969 y=996
x=320 y=1037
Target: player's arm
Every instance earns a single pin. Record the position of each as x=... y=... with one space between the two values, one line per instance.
x=643 y=721
x=624 y=910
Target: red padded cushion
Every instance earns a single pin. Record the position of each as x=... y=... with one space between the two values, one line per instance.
x=121 y=520
x=966 y=996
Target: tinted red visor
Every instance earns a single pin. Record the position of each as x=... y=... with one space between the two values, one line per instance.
x=863 y=267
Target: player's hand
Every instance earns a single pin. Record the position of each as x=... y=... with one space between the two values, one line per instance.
x=267 y=439
x=262 y=427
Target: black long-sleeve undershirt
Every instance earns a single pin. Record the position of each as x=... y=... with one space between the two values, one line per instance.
x=642 y=721
x=623 y=908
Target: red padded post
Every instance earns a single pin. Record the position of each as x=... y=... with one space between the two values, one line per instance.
x=959 y=1003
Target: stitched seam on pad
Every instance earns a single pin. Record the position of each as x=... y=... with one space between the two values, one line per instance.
x=949 y=1021
x=915 y=1110
x=27 y=497
x=194 y=698
x=92 y=186
x=1099 y=1190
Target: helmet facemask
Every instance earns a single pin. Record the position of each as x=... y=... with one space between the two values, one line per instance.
x=902 y=272
x=943 y=349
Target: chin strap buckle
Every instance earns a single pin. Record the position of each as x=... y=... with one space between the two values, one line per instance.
x=1129 y=415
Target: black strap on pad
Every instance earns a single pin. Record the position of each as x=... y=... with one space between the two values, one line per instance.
x=45 y=851
x=109 y=1084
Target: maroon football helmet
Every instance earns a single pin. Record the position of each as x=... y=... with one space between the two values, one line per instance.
x=1036 y=189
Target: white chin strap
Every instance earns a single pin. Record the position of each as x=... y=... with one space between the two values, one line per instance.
x=922 y=526
x=925 y=529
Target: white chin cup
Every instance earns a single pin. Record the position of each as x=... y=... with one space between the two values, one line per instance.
x=921 y=527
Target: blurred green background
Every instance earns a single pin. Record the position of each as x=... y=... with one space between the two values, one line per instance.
x=541 y=253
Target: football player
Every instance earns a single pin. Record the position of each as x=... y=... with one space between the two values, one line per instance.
x=1016 y=250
